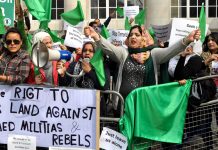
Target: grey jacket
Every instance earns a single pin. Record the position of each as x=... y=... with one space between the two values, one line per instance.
x=119 y=55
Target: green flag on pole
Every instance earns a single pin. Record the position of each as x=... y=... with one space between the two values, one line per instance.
x=127 y=24
x=2 y=27
x=41 y=10
x=140 y=17
x=97 y=63
x=120 y=11
x=202 y=23
x=155 y=113
x=104 y=32
x=36 y=9
x=74 y=16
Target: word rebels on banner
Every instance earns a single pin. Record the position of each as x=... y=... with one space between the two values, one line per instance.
x=56 y=116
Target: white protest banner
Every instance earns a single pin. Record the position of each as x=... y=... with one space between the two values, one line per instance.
x=55 y=116
x=162 y=32
x=118 y=37
x=181 y=28
x=111 y=139
x=21 y=142
x=131 y=11
x=73 y=38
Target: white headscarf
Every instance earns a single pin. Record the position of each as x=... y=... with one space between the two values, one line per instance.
x=40 y=36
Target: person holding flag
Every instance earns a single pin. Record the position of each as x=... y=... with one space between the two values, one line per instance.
x=92 y=77
x=138 y=64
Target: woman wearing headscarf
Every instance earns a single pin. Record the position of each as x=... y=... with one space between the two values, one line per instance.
x=138 y=64
x=48 y=74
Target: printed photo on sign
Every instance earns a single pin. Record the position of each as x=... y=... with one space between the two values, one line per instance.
x=214 y=67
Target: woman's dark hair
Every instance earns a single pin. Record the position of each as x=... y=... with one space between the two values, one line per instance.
x=214 y=36
x=133 y=27
x=92 y=43
x=13 y=30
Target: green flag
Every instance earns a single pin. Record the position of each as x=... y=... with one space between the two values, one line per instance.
x=155 y=113
x=74 y=16
x=54 y=36
x=2 y=27
x=104 y=32
x=120 y=11
x=140 y=17
x=97 y=63
x=36 y=9
x=202 y=23
x=127 y=25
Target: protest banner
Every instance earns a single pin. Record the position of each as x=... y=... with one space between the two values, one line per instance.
x=73 y=38
x=131 y=11
x=7 y=7
x=118 y=37
x=162 y=32
x=55 y=116
x=181 y=28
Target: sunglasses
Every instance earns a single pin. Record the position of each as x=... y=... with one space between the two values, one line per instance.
x=8 y=42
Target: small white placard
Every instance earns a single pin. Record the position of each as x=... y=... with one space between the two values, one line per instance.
x=131 y=11
x=21 y=142
x=181 y=28
x=73 y=38
x=111 y=139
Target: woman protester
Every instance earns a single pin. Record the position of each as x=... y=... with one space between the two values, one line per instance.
x=138 y=64
x=14 y=61
x=47 y=75
x=89 y=79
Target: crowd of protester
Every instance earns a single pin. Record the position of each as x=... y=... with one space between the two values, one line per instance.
x=136 y=65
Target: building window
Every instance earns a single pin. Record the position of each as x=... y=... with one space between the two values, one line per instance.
x=192 y=8
x=102 y=8
x=57 y=9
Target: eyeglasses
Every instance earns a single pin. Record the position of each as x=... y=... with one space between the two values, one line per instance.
x=8 y=42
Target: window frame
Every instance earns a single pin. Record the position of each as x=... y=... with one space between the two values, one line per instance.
x=188 y=7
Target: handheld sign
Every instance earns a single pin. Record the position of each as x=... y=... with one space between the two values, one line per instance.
x=181 y=28
x=73 y=38
x=131 y=11
x=111 y=139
